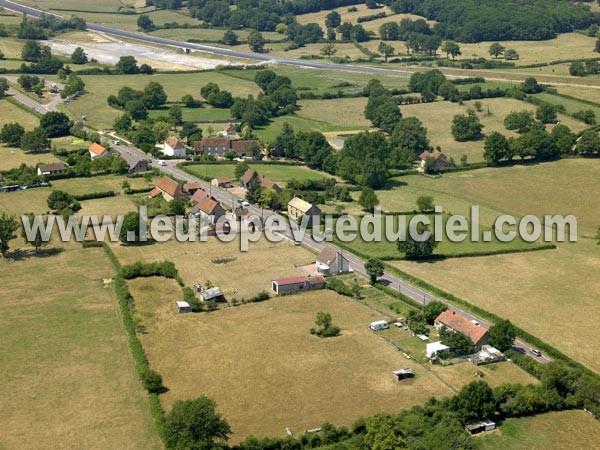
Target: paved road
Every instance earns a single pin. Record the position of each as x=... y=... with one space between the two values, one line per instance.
x=31 y=103
x=418 y=295
x=211 y=49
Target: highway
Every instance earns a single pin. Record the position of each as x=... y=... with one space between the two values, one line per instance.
x=211 y=49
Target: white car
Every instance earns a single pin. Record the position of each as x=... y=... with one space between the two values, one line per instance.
x=162 y=163
x=245 y=203
x=116 y=143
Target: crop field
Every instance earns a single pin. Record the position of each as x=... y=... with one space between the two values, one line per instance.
x=270 y=344
x=93 y=104
x=538 y=293
x=565 y=430
x=66 y=364
x=277 y=172
x=238 y=274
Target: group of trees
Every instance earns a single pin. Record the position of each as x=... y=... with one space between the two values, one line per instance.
x=40 y=58
x=215 y=97
x=137 y=103
x=325 y=327
x=52 y=124
x=277 y=99
x=128 y=65
x=47 y=25
x=381 y=108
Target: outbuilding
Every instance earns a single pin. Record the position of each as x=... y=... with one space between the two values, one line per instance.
x=403 y=374
x=183 y=307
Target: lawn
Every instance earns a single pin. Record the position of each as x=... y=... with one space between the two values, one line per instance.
x=93 y=104
x=266 y=371
x=241 y=275
x=66 y=363
x=565 y=430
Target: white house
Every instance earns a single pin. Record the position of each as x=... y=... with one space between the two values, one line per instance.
x=332 y=262
x=175 y=147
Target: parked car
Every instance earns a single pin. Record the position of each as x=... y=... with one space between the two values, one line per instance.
x=245 y=203
x=536 y=352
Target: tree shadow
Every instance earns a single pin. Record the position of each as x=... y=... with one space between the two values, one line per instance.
x=23 y=255
x=393 y=183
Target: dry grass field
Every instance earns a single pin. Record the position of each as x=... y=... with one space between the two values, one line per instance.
x=14 y=157
x=458 y=375
x=565 y=430
x=437 y=118
x=346 y=112
x=565 y=46
x=352 y=17
x=68 y=376
x=343 y=50
x=12 y=113
x=244 y=275
x=266 y=371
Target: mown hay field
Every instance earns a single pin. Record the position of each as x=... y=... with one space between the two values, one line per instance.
x=66 y=363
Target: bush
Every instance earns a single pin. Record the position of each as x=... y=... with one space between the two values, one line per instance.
x=151 y=380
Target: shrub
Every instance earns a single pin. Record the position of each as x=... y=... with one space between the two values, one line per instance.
x=152 y=380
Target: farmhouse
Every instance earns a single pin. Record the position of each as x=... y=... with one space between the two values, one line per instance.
x=57 y=168
x=221 y=182
x=243 y=147
x=297 y=284
x=264 y=182
x=455 y=322
x=168 y=188
x=175 y=147
x=298 y=207
x=209 y=209
x=331 y=262
x=216 y=147
x=97 y=151
x=135 y=163
x=440 y=162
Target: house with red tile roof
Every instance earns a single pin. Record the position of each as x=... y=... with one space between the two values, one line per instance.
x=458 y=324
x=97 y=151
x=168 y=188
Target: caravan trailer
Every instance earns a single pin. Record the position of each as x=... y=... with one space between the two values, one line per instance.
x=379 y=325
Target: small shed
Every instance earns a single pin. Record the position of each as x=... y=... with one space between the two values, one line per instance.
x=183 y=307
x=213 y=294
x=403 y=374
x=480 y=427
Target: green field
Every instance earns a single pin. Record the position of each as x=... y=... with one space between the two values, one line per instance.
x=387 y=249
x=204 y=114
x=65 y=359
x=277 y=172
x=565 y=430
x=13 y=113
x=93 y=104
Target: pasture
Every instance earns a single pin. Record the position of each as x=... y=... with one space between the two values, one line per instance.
x=12 y=113
x=565 y=430
x=343 y=112
x=65 y=357
x=100 y=115
x=551 y=294
x=238 y=274
x=266 y=371
x=14 y=157
x=277 y=172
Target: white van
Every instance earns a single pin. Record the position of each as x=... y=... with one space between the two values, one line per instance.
x=162 y=163
x=379 y=325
